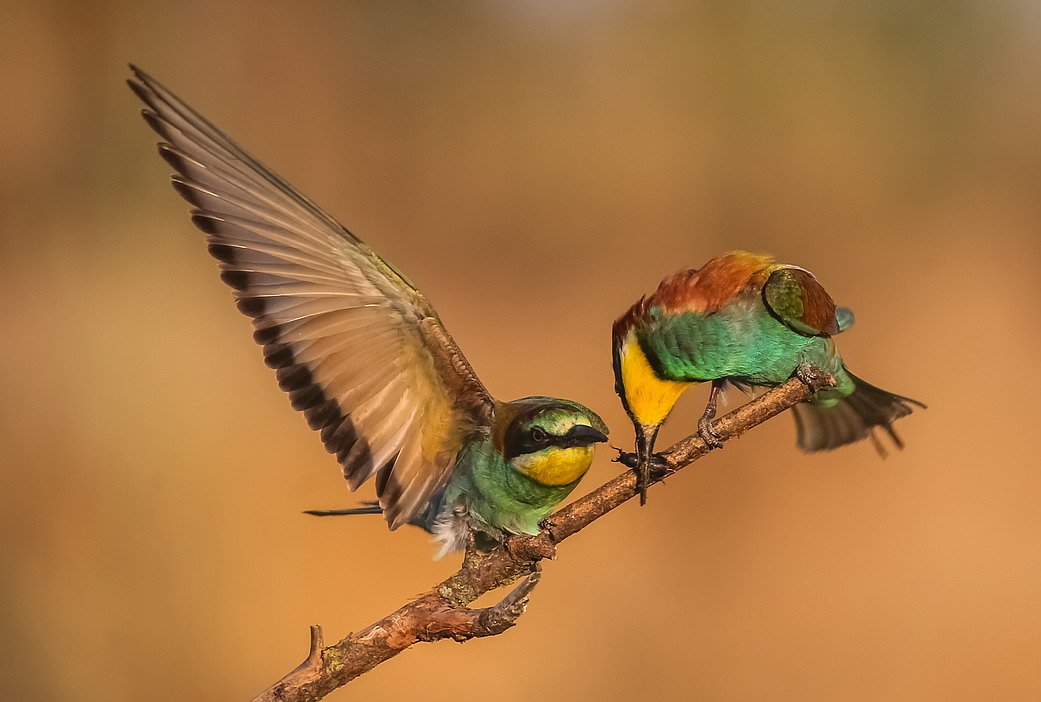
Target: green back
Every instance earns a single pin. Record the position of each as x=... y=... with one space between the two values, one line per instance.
x=742 y=341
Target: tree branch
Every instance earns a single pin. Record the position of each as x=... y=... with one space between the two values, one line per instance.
x=442 y=613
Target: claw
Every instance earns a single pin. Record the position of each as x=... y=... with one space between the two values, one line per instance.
x=808 y=374
x=705 y=430
x=708 y=434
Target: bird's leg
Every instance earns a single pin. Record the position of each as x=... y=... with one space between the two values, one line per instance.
x=705 y=430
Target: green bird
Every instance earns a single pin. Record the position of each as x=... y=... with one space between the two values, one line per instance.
x=745 y=319
x=363 y=354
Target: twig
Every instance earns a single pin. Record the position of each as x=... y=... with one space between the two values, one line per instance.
x=442 y=613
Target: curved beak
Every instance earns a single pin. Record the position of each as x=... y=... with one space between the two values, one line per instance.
x=583 y=435
x=645 y=436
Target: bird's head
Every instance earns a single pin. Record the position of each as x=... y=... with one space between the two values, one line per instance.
x=549 y=440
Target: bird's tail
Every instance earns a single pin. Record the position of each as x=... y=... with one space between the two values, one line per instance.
x=821 y=426
x=368 y=508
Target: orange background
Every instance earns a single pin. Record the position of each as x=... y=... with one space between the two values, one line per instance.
x=534 y=166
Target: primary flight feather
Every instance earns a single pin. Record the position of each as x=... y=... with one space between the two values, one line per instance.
x=362 y=352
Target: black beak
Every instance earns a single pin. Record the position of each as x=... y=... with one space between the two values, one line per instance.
x=645 y=436
x=583 y=435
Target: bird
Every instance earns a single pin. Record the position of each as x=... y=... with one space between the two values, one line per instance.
x=744 y=319
x=363 y=354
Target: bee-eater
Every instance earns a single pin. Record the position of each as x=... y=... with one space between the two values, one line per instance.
x=745 y=319
x=362 y=352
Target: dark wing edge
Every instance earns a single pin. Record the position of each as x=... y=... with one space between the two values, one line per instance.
x=359 y=350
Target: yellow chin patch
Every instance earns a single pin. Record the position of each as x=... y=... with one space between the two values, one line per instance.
x=649 y=397
x=555 y=466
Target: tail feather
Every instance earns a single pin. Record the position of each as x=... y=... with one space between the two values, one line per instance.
x=855 y=417
x=369 y=508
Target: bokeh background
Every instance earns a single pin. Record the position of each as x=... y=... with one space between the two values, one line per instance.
x=534 y=166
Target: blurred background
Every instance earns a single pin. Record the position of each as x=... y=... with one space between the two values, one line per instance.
x=534 y=166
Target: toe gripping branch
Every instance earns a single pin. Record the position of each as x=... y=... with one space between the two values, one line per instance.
x=709 y=435
x=805 y=382
x=444 y=612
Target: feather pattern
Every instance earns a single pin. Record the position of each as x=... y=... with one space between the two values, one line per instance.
x=795 y=297
x=704 y=290
x=359 y=350
x=744 y=318
x=851 y=417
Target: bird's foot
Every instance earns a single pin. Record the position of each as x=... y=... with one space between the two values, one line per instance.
x=705 y=430
x=708 y=434
x=808 y=374
x=547 y=526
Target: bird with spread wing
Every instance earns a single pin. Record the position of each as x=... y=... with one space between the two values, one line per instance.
x=362 y=352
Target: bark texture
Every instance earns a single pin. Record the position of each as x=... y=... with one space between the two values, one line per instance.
x=443 y=612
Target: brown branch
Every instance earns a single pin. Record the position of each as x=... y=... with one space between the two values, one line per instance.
x=442 y=613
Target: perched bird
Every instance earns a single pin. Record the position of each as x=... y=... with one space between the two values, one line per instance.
x=745 y=319
x=362 y=352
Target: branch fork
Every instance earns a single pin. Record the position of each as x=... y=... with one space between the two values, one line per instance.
x=443 y=612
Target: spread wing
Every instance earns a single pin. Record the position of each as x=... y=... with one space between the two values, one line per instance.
x=359 y=350
x=796 y=298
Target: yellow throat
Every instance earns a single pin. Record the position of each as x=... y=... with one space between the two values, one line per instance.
x=650 y=399
x=556 y=466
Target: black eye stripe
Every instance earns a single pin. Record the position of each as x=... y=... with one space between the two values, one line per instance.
x=520 y=442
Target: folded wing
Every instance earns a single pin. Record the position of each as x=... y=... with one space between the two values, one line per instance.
x=795 y=297
x=359 y=350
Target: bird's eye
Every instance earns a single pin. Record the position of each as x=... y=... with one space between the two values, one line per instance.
x=538 y=435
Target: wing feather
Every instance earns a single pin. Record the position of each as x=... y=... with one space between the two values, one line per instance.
x=795 y=297
x=359 y=350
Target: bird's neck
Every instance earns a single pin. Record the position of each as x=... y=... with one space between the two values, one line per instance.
x=505 y=497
